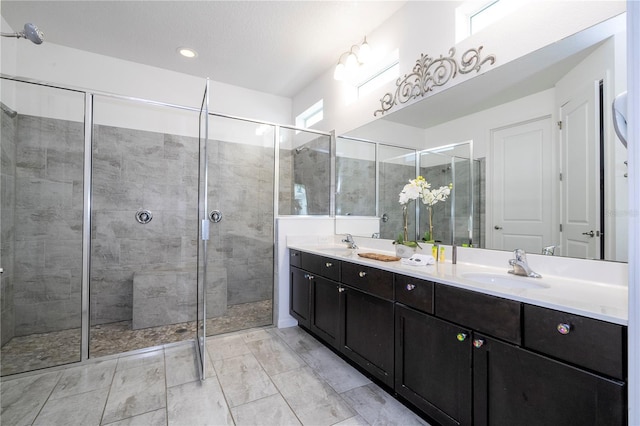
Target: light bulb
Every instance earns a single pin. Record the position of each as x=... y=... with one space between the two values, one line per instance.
x=338 y=73
x=351 y=61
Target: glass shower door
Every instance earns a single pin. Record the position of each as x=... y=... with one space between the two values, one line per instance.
x=41 y=226
x=203 y=238
x=240 y=207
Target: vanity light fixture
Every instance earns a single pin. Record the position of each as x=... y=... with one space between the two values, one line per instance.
x=350 y=60
x=187 y=52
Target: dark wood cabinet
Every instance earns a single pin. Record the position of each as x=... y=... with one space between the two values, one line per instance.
x=464 y=357
x=325 y=310
x=514 y=386
x=433 y=366
x=367 y=332
x=299 y=291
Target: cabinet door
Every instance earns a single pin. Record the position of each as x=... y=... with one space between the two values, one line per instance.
x=299 y=284
x=433 y=366
x=325 y=310
x=513 y=386
x=367 y=333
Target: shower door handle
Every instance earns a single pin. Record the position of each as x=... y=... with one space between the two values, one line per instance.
x=1 y=270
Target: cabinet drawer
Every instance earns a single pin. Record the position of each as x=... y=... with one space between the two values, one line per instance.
x=586 y=342
x=294 y=258
x=415 y=293
x=371 y=280
x=320 y=265
x=492 y=315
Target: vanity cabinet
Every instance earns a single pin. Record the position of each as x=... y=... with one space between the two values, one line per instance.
x=464 y=357
x=299 y=291
x=515 y=386
x=433 y=366
x=367 y=332
x=367 y=315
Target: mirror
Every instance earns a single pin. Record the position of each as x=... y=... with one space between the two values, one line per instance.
x=524 y=182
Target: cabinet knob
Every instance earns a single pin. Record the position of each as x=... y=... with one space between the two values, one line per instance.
x=410 y=287
x=362 y=274
x=294 y=254
x=309 y=277
x=341 y=289
x=477 y=343
x=328 y=264
x=461 y=337
x=563 y=328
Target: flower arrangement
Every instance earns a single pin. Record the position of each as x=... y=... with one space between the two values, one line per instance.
x=420 y=188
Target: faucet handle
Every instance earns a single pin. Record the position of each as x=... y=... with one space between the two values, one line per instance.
x=520 y=255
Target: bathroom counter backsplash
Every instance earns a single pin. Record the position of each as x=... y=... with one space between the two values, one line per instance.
x=591 y=288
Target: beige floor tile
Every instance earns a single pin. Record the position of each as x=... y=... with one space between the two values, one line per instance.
x=269 y=411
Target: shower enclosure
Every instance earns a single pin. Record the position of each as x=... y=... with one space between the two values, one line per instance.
x=104 y=198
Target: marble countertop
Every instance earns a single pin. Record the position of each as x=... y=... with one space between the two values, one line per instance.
x=593 y=299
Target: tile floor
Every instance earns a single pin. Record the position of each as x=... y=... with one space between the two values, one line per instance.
x=36 y=351
x=264 y=376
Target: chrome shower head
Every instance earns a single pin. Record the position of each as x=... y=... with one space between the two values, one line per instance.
x=301 y=148
x=31 y=32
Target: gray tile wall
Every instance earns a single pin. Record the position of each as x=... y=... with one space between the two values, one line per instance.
x=312 y=168
x=393 y=177
x=159 y=172
x=7 y=234
x=241 y=181
x=48 y=224
x=355 y=187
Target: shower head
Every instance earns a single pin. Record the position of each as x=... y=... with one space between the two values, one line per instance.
x=301 y=148
x=30 y=32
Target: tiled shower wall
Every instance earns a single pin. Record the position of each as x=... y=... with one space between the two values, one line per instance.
x=355 y=187
x=133 y=170
x=42 y=172
x=393 y=177
x=47 y=224
x=8 y=197
x=311 y=168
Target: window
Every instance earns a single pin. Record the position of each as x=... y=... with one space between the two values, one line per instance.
x=473 y=16
x=387 y=74
x=312 y=115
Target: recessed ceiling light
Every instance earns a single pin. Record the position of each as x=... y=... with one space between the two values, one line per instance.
x=187 y=52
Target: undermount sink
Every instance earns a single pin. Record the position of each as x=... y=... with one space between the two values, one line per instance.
x=338 y=251
x=504 y=281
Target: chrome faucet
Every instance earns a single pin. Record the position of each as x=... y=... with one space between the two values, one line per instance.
x=549 y=250
x=520 y=265
x=349 y=240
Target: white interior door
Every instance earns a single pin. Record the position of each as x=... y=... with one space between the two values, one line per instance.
x=580 y=194
x=521 y=180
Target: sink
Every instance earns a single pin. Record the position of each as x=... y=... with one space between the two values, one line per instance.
x=504 y=281
x=338 y=251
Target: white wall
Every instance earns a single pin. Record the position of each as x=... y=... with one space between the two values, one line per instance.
x=65 y=66
x=428 y=27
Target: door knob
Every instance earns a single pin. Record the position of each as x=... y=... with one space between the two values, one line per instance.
x=497 y=227
x=590 y=233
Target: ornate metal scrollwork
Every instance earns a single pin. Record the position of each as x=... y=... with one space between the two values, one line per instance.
x=429 y=73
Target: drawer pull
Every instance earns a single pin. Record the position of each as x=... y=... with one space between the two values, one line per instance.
x=461 y=337
x=328 y=264
x=341 y=289
x=362 y=274
x=563 y=328
x=309 y=277
x=410 y=287
x=478 y=343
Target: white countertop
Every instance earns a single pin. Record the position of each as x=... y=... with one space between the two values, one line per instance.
x=581 y=296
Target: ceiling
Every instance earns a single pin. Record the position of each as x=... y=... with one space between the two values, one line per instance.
x=277 y=47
